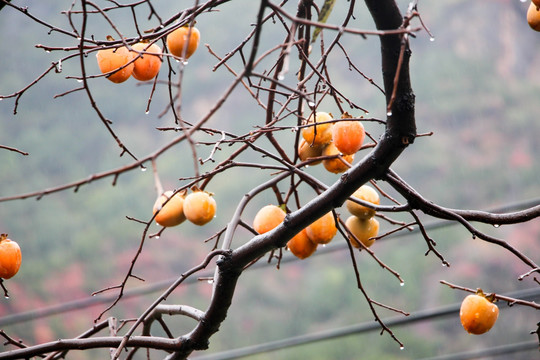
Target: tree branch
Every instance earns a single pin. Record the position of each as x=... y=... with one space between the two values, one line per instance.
x=400 y=132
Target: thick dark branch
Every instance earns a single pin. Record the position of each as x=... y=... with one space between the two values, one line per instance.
x=2 y=4
x=401 y=122
x=416 y=201
x=399 y=133
x=500 y=219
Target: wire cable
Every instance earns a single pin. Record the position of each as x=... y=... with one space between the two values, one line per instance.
x=492 y=351
x=422 y=315
x=162 y=285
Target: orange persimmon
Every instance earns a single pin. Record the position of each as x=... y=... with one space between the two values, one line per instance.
x=183 y=41
x=478 y=314
x=199 y=207
x=533 y=17
x=172 y=213
x=348 y=136
x=267 y=218
x=112 y=59
x=301 y=246
x=363 y=229
x=336 y=165
x=365 y=193
x=318 y=134
x=306 y=151
x=322 y=230
x=148 y=63
x=10 y=257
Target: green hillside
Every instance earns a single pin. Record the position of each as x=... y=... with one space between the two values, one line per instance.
x=476 y=86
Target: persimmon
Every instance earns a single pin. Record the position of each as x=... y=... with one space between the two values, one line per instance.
x=336 y=165
x=147 y=64
x=10 y=257
x=307 y=151
x=363 y=229
x=533 y=17
x=183 y=41
x=318 y=134
x=365 y=193
x=478 y=314
x=172 y=213
x=322 y=230
x=348 y=136
x=113 y=59
x=301 y=246
x=267 y=218
x=200 y=207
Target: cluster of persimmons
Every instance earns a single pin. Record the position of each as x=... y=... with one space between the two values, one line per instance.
x=144 y=59
x=334 y=142
x=323 y=137
x=362 y=229
x=171 y=209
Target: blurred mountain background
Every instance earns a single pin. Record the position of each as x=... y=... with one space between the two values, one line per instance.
x=476 y=86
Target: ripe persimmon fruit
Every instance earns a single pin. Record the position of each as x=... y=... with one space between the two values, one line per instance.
x=183 y=41
x=336 y=165
x=533 y=17
x=348 y=136
x=301 y=246
x=267 y=218
x=318 y=134
x=536 y=2
x=200 y=207
x=10 y=257
x=172 y=213
x=365 y=193
x=147 y=64
x=322 y=230
x=364 y=230
x=112 y=59
x=478 y=314
x=307 y=151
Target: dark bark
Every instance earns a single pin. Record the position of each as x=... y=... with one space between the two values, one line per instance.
x=400 y=131
x=4 y=3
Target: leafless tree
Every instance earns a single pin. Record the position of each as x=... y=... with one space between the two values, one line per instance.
x=265 y=79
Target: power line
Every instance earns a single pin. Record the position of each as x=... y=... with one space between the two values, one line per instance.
x=162 y=285
x=492 y=351
x=422 y=315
